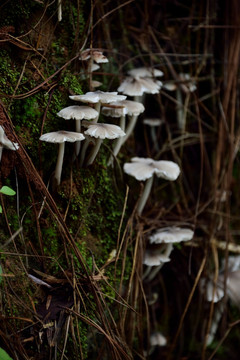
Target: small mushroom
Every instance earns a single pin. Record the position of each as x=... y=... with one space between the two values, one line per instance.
x=171 y=234
x=61 y=137
x=95 y=54
x=134 y=109
x=153 y=123
x=136 y=87
x=144 y=169
x=130 y=108
x=6 y=143
x=78 y=113
x=188 y=86
x=155 y=256
x=157 y=339
x=212 y=293
x=143 y=72
x=141 y=81
x=168 y=236
x=92 y=55
x=101 y=131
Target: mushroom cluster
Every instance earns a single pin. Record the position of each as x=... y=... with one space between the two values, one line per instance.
x=123 y=114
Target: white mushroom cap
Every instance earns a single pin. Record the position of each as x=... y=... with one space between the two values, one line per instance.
x=78 y=112
x=169 y=86
x=154 y=258
x=191 y=84
x=157 y=339
x=153 y=122
x=96 y=83
x=103 y=131
x=93 y=67
x=114 y=111
x=207 y=287
x=145 y=72
x=98 y=96
x=89 y=97
x=95 y=54
x=5 y=142
x=62 y=136
x=144 y=168
x=132 y=107
x=171 y=234
x=138 y=86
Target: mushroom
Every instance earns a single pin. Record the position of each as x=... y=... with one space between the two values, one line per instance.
x=78 y=113
x=136 y=87
x=144 y=169
x=171 y=234
x=60 y=137
x=140 y=81
x=187 y=85
x=169 y=86
x=155 y=256
x=96 y=84
x=134 y=109
x=116 y=110
x=130 y=108
x=94 y=54
x=6 y=143
x=97 y=98
x=153 y=123
x=143 y=72
x=101 y=131
x=213 y=293
x=157 y=339
x=168 y=236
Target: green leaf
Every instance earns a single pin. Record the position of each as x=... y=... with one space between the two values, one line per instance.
x=7 y=191
x=0 y=209
x=4 y=355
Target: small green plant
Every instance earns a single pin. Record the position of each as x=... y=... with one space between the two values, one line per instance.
x=4 y=355
x=6 y=191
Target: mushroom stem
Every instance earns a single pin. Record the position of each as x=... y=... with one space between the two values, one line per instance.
x=97 y=107
x=94 y=151
x=145 y=195
x=1 y=150
x=78 y=143
x=83 y=151
x=59 y=10
x=118 y=142
x=180 y=113
x=130 y=127
x=215 y=322
x=59 y=164
x=154 y=138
